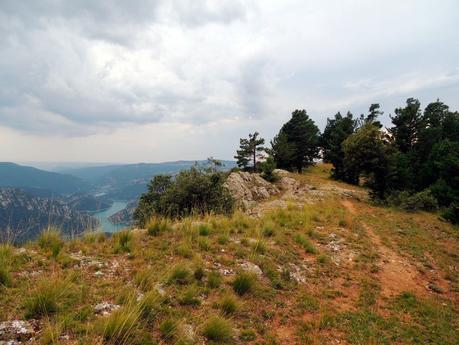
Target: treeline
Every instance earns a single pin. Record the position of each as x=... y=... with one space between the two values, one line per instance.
x=414 y=164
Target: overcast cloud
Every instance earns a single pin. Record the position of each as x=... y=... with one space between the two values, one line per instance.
x=139 y=80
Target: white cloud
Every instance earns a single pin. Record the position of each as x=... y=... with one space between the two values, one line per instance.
x=116 y=73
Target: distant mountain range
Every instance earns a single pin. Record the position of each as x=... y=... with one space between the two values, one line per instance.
x=18 y=176
x=30 y=196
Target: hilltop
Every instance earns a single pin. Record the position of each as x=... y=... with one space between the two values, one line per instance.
x=309 y=261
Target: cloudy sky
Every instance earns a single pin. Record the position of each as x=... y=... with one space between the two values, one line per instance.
x=140 y=80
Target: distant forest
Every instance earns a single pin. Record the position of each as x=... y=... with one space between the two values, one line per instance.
x=414 y=164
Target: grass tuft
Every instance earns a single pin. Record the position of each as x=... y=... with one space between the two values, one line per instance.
x=120 y=326
x=123 y=241
x=228 y=304
x=243 y=283
x=50 y=240
x=180 y=274
x=6 y=260
x=157 y=226
x=218 y=329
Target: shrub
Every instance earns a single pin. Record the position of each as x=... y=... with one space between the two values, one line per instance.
x=228 y=304
x=123 y=241
x=122 y=324
x=451 y=214
x=168 y=329
x=267 y=170
x=157 y=226
x=50 y=240
x=194 y=191
x=243 y=283
x=218 y=329
x=180 y=275
x=413 y=202
x=214 y=280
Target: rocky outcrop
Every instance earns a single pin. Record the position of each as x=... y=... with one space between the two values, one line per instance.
x=248 y=189
x=126 y=215
x=24 y=216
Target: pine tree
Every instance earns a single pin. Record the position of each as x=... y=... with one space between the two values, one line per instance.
x=303 y=136
x=336 y=131
x=250 y=151
x=406 y=122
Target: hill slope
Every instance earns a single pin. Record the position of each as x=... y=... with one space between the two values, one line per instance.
x=313 y=264
x=23 y=216
x=14 y=175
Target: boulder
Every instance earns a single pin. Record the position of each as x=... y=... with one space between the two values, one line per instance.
x=247 y=188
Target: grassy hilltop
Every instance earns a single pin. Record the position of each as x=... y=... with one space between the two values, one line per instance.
x=322 y=267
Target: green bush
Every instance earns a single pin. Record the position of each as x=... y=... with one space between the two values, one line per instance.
x=413 y=202
x=243 y=283
x=218 y=329
x=267 y=170
x=123 y=241
x=451 y=214
x=50 y=240
x=195 y=191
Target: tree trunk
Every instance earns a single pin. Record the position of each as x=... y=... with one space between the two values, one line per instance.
x=255 y=159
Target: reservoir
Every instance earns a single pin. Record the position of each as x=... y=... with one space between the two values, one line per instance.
x=105 y=223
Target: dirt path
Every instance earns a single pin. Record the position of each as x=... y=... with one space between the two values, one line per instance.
x=396 y=274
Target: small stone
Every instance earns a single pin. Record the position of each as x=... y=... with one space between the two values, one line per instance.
x=105 y=308
x=16 y=330
x=252 y=268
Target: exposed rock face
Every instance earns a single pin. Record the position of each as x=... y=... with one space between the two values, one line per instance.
x=247 y=188
x=15 y=330
x=126 y=215
x=23 y=216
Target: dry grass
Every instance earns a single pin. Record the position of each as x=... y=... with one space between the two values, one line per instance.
x=323 y=275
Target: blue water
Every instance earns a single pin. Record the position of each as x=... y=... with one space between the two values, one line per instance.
x=105 y=223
